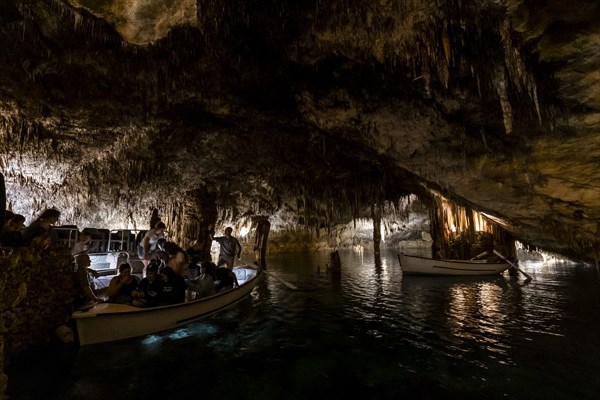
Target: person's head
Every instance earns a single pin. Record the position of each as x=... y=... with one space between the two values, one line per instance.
x=160 y=228
x=50 y=216
x=171 y=248
x=16 y=222
x=124 y=269
x=151 y=270
x=207 y=267
x=83 y=261
x=228 y=231
x=85 y=237
x=167 y=274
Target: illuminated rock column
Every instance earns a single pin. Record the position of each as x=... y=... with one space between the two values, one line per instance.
x=195 y=221
x=263 y=227
x=376 y=215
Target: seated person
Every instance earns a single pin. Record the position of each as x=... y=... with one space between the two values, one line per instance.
x=11 y=231
x=226 y=279
x=204 y=284
x=121 y=287
x=84 y=284
x=155 y=266
x=149 y=289
x=173 y=290
x=38 y=232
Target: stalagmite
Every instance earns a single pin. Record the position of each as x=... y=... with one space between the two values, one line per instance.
x=260 y=241
x=376 y=216
x=335 y=263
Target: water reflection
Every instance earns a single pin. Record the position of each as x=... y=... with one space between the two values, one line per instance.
x=371 y=330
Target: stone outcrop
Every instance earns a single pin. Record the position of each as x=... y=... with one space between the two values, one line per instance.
x=36 y=298
x=109 y=109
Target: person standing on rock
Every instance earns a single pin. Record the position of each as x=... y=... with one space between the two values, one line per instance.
x=230 y=248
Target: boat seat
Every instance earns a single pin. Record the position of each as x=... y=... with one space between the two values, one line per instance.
x=101 y=265
x=121 y=240
x=240 y=274
x=99 y=240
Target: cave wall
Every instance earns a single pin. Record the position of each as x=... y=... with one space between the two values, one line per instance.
x=109 y=109
x=36 y=297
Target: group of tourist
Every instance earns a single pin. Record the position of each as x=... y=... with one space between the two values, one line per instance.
x=37 y=234
x=171 y=274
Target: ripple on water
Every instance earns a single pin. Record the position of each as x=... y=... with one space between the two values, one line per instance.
x=371 y=331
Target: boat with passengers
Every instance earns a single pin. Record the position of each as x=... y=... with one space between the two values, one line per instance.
x=106 y=322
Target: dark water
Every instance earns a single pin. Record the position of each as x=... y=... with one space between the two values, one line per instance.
x=370 y=333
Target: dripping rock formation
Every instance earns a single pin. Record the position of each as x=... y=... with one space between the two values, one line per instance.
x=317 y=109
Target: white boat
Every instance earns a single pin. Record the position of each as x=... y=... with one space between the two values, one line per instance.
x=106 y=322
x=428 y=266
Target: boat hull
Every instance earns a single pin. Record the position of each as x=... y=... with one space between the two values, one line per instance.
x=413 y=265
x=110 y=322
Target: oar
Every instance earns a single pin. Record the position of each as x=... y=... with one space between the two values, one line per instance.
x=479 y=255
x=496 y=252
x=278 y=279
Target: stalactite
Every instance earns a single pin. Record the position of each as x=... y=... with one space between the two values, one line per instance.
x=459 y=232
x=502 y=90
x=517 y=69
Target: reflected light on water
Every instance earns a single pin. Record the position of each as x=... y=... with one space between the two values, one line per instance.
x=198 y=330
x=180 y=334
x=370 y=331
x=152 y=340
x=475 y=313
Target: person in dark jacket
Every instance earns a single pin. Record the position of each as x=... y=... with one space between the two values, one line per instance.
x=148 y=291
x=204 y=284
x=38 y=233
x=226 y=279
x=121 y=287
x=173 y=290
x=11 y=231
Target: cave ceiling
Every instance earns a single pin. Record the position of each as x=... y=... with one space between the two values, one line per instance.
x=108 y=108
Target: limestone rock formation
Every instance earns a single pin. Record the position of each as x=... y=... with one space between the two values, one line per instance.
x=110 y=108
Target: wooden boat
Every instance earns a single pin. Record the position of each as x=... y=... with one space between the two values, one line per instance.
x=413 y=265
x=106 y=322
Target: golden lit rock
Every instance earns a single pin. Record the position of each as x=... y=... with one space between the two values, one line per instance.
x=142 y=21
